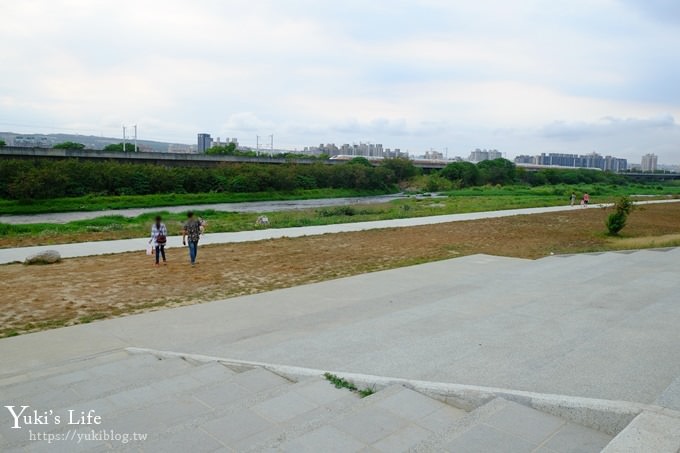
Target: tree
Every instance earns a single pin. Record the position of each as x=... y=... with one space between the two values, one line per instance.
x=69 y=145
x=497 y=171
x=465 y=173
x=118 y=147
x=360 y=161
x=2 y=144
x=617 y=220
x=229 y=149
x=403 y=168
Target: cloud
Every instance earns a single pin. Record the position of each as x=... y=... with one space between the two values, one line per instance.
x=522 y=76
x=625 y=137
x=246 y=122
x=608 y=127
x=660 y=10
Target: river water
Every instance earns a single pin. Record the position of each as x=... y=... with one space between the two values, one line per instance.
x=254 y=206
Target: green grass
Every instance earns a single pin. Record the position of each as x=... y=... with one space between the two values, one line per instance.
x=463 y=201
x=341 y=383
x=89 y=318
x=99 y=202
x=564 y=190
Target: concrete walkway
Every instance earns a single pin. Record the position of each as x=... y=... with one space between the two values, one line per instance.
x=248 y=206
x=10 y=255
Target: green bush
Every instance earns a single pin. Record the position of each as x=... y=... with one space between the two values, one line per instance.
x=463 y=174
x=42 y=179
x=617 y=220
x=402 y=168
x=69 y=145
x=337 y=212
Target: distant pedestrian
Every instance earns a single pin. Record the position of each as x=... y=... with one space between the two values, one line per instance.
x=159 y=237
x=572 y=199
x=586 y=199
x=192 y=231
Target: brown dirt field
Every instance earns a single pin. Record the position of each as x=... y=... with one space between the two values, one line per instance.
x=85 y=289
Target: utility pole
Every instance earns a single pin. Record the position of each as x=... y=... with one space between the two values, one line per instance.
x=257 y=145
x=271 y=143
x=136 y=149
x=123 y=138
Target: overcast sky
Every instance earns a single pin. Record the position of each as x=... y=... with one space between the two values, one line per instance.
x=521 y=76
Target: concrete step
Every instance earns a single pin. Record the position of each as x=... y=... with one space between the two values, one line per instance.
x=505 y=426
x=85 y=382
x=111 y=389
x=247 y=411
x=391 y=420
x=180 y=405
x=649 y=431
x=174 y=402
x=296 y=409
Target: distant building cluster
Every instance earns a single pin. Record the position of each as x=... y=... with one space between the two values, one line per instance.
x=226 y=141
x=205 y=142
x=479 y=155
x=433 y=155
x=32 y=141
x=592 y=160
x=649 y=163
x=361 y=149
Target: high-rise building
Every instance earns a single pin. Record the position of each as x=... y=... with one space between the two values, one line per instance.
x=649 y=162
x=525 y=159
x=615 y=164
x=204 y=142
x=479 y=155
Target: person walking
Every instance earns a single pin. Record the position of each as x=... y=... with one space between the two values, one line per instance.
x=159 y=237
x=586 y=199
x=192 y=232
x=572 y=199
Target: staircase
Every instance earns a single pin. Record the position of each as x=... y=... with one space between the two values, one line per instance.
x=181 y=405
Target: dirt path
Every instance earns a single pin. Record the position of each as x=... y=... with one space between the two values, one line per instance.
x=84 y=289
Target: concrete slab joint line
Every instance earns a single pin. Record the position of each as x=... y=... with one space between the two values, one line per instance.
x=10 y=255
x=608 y=416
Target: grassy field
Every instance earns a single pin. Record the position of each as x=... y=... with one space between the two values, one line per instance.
x=99 y=203
x=469 y=200
x=116 y=285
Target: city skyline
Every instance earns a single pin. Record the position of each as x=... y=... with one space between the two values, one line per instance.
x=647 y=162
x=526 y=77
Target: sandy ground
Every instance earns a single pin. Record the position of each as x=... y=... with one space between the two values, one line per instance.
x=86 y=289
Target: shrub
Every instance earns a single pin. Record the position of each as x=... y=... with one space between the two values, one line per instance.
x=69 y=145
x=463 y=174
x=617 y=220
x=339 y=211
x=39 y=179
x=403 y=169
